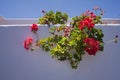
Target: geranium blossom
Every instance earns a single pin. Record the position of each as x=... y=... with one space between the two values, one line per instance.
x=87 y=22
x=27 y=43
x=34 y=27
x=91 y=46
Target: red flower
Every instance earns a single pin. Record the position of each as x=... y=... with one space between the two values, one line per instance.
x=87 y=22
x=28 y=42
x=34 y=28
x=91 y=45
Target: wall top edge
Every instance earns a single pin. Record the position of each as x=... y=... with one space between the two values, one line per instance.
x=11 y=21
x=38 y=18
x=27 y=25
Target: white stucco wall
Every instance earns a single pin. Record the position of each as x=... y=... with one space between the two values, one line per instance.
x=18 y=64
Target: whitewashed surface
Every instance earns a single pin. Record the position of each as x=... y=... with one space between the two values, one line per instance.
x=18 y=64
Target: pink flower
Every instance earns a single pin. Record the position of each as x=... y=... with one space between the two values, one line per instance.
x=34 y=28
x=86 y=13
x=67 y=31
x=91 y=45
x=92 y=15
x=96 y=8
x=27 y=43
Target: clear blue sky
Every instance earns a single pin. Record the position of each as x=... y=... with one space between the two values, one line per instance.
x=32 y=8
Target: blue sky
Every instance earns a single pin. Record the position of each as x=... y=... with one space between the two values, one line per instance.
x=32 y=8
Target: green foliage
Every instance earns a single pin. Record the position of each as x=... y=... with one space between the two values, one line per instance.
x=53 y=18
x=70 y=47
x=69 y=42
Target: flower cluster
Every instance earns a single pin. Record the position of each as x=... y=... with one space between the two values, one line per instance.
x=92 y=45
x=34 y=28
x=69 y=42
x=87 y=22
x=28 y=42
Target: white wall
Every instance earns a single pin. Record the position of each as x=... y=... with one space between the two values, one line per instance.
x=18 y=64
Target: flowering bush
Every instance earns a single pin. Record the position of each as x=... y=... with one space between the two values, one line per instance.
x=69 y=42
